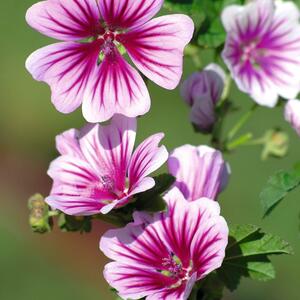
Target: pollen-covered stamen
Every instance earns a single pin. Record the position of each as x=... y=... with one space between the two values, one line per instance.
x=174 y=268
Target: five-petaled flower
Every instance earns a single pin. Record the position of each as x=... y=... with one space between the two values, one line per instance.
x=200 y=171
x=202 y=91
x=164 y=256
x=97 y=170
x=262 y=49
x=89 y=68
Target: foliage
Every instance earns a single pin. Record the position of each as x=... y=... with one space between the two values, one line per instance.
x=277 y=188
x=247 y=255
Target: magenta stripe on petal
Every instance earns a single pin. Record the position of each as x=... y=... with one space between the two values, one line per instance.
x=65 y=20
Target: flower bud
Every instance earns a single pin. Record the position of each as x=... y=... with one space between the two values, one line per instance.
x=292 y=114
x=202 y=91
x=39 y=219
x=276 y=144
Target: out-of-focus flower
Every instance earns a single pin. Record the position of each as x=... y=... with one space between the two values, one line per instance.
x=97 y=170
x=292 y=114
x=262 y=49
x=199 y=171
x=163 y=257
x=202 y=91
x=94 y=72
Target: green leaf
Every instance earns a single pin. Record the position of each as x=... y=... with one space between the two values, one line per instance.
x=73 y=224
x=277 y=188
x=214 y=36
x=247 y=255
x=152 y=200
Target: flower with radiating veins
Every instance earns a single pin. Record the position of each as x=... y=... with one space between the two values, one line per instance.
x=262 y=49
x=98 y=170
x=163 y=257
x=292 y=114
x=200 y=171
x=202 y=91
x=88 y=67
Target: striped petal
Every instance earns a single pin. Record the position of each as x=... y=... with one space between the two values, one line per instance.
x=116 y=87
x=108 y=149
x=121 y=14
x=147 y=158
x=199 y=171
x=66 y=68
x=67 y=143
x=157 y=47
x=77 y=190
x=66 y=20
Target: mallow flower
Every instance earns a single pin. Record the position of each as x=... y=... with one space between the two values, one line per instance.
x=199 y=171
x=292 y=114
x=88 y=67
x=202 y=91
x=163 y=257
x=262 y=49
x=98 y=170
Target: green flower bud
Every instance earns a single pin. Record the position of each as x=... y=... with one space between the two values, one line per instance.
x=39 y=219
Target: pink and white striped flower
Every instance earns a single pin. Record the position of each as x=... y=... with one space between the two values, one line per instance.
x=98 y=170
x=202 y=91
x=88 y=67
x=292 y=114
x=163 y=257
x=200 y=171
x=262 y=49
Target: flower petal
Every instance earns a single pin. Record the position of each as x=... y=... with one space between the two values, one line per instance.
x=180 y=223
x=123 y=14
x=134 y=282
x=64 y=20
x=66 y=68
x=199 y=171
x=116 y=88
x=157 y=47
x=76 y=189
x=209 y=244
x=147 y=158
x=67 y=143
x=108 y=149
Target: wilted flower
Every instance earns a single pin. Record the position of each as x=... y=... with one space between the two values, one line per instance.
x=94 y=72
x=97 y=171
x=164 y=257
x=202 y=91
x=262 y=49
x=199 y=171
x=292 y=114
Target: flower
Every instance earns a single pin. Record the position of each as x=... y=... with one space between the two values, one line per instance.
x=292 y=114
x=88 y=67
x=200 y=171
x=164 y=257
x=97 y=170
x=202 y=91
x=262 y=49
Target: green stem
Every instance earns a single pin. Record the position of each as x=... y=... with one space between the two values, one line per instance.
x=241 y=122
x=240 y=141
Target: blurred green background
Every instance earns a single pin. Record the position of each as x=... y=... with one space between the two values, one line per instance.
x=69 y=266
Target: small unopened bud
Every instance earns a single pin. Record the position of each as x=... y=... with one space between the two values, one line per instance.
x=276 y=143
x=202 y=91
x=292 y=114
x=39 y=219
